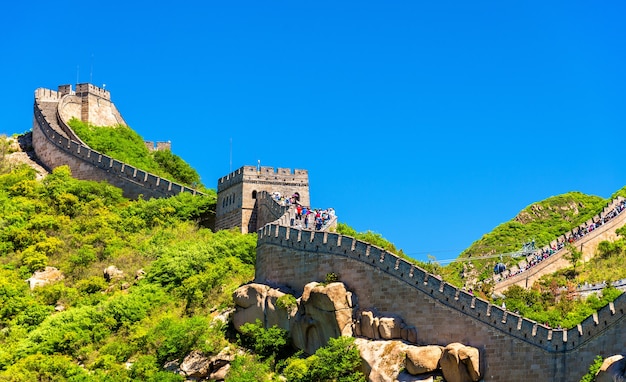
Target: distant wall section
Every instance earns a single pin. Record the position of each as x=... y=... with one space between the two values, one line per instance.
x=56 y=144
x=587 y=244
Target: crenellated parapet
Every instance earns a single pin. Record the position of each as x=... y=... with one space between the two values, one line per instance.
x=85 y=89
x=47 y=94
x=264 y=175
x=440 y=311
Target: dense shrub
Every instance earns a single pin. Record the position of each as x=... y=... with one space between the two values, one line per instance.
x=267 y=343
x=340 y=360
x=124 y=144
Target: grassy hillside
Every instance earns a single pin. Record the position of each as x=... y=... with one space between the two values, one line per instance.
x=124 y=144
x=543 y=222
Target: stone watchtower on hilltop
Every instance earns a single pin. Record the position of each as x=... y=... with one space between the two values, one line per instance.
x=237 y=203
x=89 y=103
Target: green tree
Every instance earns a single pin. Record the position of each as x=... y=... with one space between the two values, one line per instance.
x=267 y=343
x=339 y=360
x=573 y=255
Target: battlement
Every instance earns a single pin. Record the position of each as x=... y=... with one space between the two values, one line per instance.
x=85 y=89
x=264 y=174
x=239 y=193
x=47 y=95
x=267 y=172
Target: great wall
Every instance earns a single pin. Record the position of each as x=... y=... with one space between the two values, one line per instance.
x=512 y=348
x=607 y=220
x=55 y=143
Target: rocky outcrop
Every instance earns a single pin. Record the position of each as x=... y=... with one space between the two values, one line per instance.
x=459 y=363
x=371 y=325
x=112 y=272
x=613 y=369
x=423 y=359
x=388 y=361
x=322 y=312
x=197 y=366
x=381 y=360
x=325 y=312
x=47 y=276
x=388 y=346
x=260 y=302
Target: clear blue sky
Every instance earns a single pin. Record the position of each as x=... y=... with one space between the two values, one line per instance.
x=429 y=122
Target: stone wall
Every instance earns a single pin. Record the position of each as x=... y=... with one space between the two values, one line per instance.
x=513 y=348
x=54 y=148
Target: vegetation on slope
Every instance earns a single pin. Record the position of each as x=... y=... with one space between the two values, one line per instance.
x=124 y=144
x=553 y=299
x=87 y=328
x=81 y=227
x=542 y=222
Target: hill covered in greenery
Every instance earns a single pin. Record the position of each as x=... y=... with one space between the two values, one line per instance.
x=542 y=222
x=124 y=144
x=177 y=279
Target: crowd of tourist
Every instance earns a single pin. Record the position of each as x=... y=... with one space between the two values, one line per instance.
x=537 y=257
x=306 y=217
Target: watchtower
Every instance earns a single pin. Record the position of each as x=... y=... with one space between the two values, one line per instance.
x=90 y=103
x=237 y=193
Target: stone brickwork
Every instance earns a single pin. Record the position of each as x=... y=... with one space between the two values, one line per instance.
x=237 y=194
x=512 y=348
x=56 y=144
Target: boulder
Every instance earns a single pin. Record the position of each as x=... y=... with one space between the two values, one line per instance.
x=112 y=273
x=460 y=363
x=275 y=315
x=382 y=361
x=198 y=366
x=368 y=325
x=140 y=274
x=390 y=328
x=195 y=365
x=220 y=374
x=47 y=276
x=250 y=304
x=324 y=313
x=423 y=359
x=613 y=369
x=259 y=302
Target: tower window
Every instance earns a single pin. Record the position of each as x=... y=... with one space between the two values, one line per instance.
x=254 y=194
